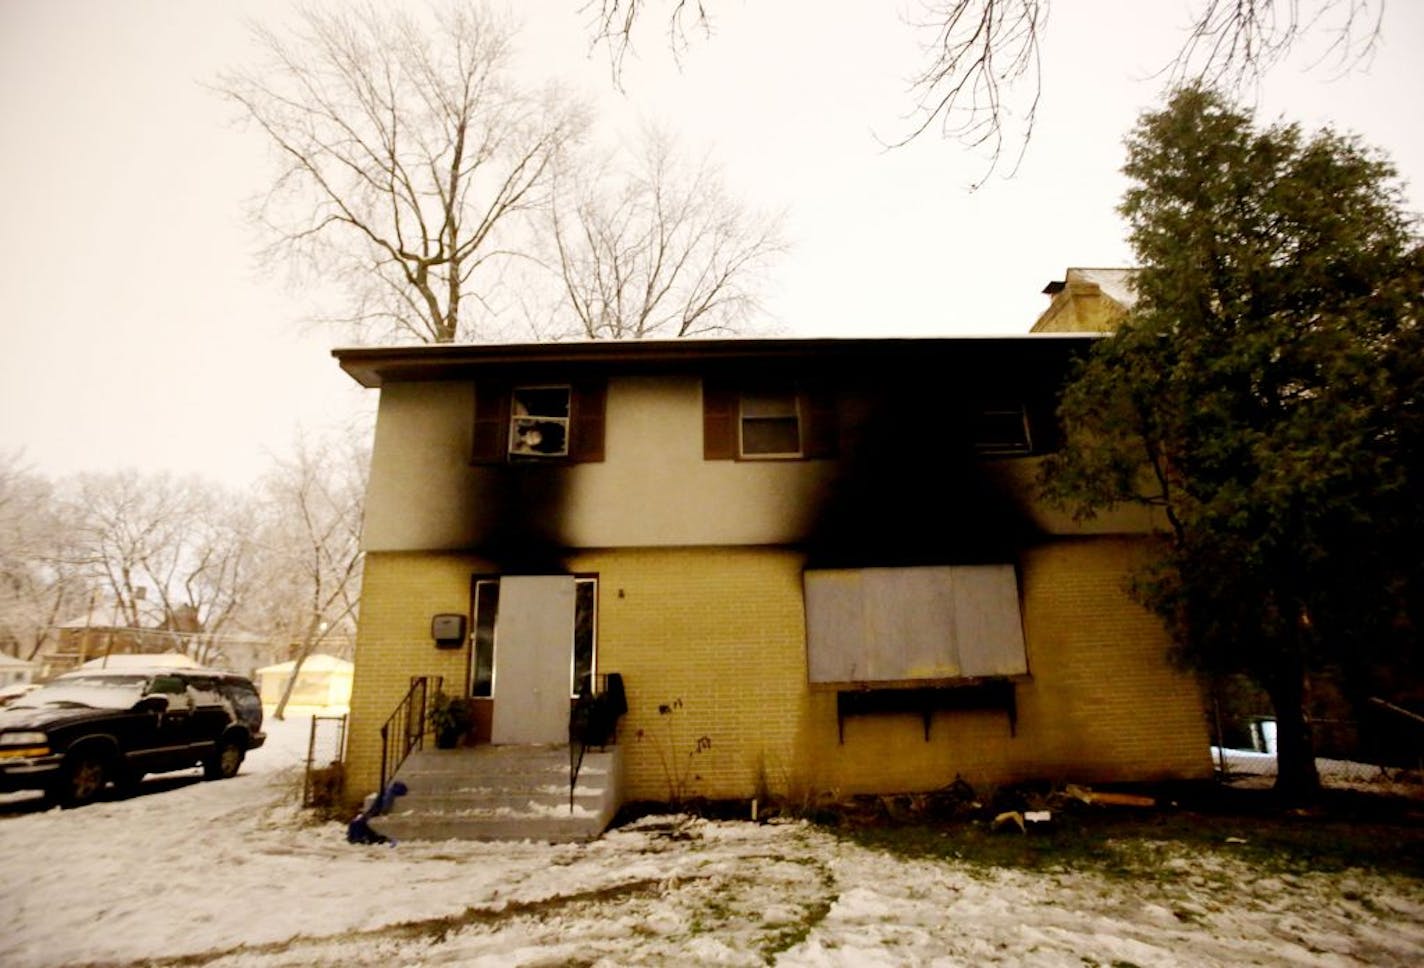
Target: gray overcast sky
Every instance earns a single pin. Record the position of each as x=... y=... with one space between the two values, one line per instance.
x=137 y=331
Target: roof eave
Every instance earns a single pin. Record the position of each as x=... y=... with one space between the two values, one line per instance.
x=372 y=366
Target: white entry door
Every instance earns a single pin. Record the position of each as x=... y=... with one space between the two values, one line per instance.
x=534 y=632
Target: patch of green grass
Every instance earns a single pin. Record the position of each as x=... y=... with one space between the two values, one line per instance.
x=793 y=934
x=1135 y=846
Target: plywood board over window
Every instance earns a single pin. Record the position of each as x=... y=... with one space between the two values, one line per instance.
x=908 y=626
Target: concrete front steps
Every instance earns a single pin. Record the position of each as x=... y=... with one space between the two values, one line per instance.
x=503 y=793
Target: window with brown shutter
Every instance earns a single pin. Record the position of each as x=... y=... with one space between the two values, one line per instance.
x=491 y=438
x=767 y=421
x=719 y=421
x=538 y=422
x=586 y=422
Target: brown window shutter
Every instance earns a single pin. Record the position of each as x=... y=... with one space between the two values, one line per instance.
x=719 y=420
x=820 y=430
x=586 y=421
x=491 y=438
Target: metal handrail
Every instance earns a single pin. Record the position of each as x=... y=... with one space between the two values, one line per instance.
x=409 y=731
x=593 y=721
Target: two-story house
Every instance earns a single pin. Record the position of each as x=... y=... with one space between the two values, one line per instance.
x=818 y=565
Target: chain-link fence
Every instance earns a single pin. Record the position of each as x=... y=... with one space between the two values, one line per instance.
x=326 y=747
x=1368 y=744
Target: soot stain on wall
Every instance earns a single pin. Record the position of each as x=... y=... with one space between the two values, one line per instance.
x=911 y=489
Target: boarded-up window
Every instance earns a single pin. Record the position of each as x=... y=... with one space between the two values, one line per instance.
x=908 y=625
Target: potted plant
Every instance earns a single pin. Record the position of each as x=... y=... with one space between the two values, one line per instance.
x=450 y=718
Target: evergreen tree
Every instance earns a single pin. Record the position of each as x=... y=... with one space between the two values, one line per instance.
x=1265 y=395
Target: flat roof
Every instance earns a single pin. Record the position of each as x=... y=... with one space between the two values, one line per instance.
x=372 y=366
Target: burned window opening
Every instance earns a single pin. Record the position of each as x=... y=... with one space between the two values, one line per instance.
x=539 y=422
x=1001 y=429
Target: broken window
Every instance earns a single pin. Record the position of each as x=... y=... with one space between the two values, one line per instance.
x=551 y=422
x=539 y=422
x=1000 y=429
x=770 y=425
x=900 y=626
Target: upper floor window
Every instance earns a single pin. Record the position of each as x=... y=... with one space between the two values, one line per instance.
x=533 y=422
x=1001 y=429
x=539 y=422
x=767 y=421
x=770 y=425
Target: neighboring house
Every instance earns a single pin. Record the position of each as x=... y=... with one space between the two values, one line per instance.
x=99 y=632
x=142 y=660
x=1087 y=301
x=818 y=565
x=15 y=671
x=323 y=686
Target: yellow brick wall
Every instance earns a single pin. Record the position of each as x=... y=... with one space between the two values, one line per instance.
x=400 y=592
x=720 y=629
x=718 y=635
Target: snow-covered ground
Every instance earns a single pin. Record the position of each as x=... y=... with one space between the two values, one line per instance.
x=232 y=873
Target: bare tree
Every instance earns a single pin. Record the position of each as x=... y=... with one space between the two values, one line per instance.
x=978 y=53
x=406 y=154
x=310 y=546
x=1233 y=43
x=663 y=250
x=184 y=541
x=614 y=22
x=981 y=51
x=40 y=585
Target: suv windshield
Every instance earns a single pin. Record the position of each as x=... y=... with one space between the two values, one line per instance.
x=100 y=692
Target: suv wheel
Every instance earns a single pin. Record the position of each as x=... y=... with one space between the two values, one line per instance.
x=225 y=761
x=84 y=778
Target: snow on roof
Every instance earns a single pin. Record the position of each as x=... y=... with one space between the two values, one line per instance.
x=317 y=662
x=172 y=660
x=10 y=662
x=1116 y=284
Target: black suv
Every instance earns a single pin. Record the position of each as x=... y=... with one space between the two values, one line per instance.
x=74 y=735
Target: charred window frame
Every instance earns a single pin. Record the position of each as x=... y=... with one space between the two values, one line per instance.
x=539 y=422
x=567 y=417
x=768 y=420
x=1001 y=428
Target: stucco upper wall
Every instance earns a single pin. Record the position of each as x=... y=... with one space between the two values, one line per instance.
x=654 y=488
